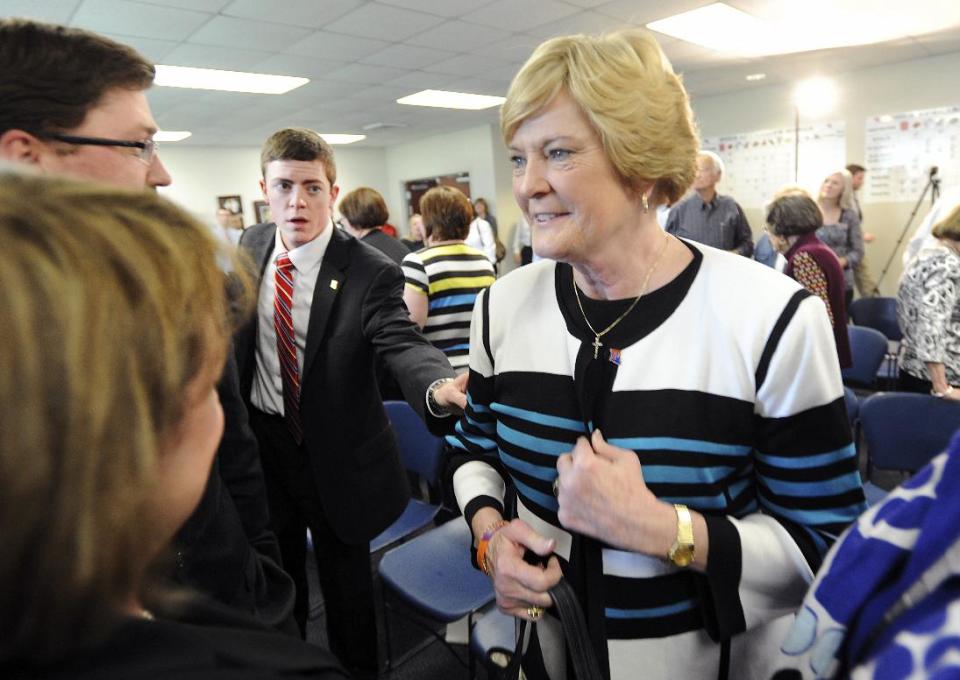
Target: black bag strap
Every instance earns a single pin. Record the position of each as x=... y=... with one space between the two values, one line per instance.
x=585 y=665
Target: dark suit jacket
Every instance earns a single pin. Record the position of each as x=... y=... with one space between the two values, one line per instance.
x=353 y=322
x=226 y=549
x=387 y=245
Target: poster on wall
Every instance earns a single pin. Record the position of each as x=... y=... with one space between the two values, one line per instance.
x=902 y=147
x=759 y=163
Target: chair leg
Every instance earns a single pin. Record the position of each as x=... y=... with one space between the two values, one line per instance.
x=472 y=662
x=386 y=627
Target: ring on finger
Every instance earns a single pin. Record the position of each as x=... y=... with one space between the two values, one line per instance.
x=534 y=612
x=556 y=486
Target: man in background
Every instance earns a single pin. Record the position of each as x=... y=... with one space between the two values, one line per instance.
x=708 y=217
x=74 y=103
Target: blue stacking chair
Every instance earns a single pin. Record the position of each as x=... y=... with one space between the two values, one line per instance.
x=432 y=573
x=904 y=431
x=493 y=639
x=880 y=313
x=868 y=348
x=852 y=404
x=421 y=453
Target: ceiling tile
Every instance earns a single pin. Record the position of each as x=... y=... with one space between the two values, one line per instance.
x=309 y=13
x=256 y=35
x=366 y=74
x=458 y=36
x=153 y=50
x=414 y=81
x=479 y=86
x=384 y=22
x=645 y=12
x=467 y=65
x=53 y=11
x=587 y=3
x=515 y=48
x=335 y=46
x=211 y=6
x=446 y=8
x=294 y=65
x=209 y=56
x=407 y=56
x=136 y=19
x=520 y=15
x=582 y=22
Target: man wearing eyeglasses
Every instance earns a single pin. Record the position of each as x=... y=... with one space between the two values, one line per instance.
x=74 y=103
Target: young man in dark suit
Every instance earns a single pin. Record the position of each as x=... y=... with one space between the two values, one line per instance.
x=329 y=306
x=74 y=103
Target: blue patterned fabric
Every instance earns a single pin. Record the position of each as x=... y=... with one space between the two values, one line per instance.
x=840 y=630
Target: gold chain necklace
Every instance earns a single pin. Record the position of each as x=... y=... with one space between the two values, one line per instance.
x=643 y=289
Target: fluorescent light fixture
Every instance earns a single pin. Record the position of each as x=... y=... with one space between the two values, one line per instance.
x=171 y=135
x=756 y=76
x=815 y=96
x=341 y=139
x=228 y=81
x=451 y=100
x=790 y=26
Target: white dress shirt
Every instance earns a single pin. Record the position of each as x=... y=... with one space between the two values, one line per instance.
x=267 y=391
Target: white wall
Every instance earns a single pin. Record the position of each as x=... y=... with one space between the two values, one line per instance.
x=905 y=86
x=200 y=174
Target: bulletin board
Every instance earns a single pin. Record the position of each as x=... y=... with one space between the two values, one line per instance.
x=759 y=163
x=902 y=147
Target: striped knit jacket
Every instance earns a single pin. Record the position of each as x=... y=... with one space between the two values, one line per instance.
x=734 y=406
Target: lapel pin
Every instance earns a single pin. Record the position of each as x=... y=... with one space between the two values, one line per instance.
x=334 y=284
x=615 y=356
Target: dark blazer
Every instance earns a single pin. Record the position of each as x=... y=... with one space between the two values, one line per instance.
x=387 y=245
x=226 y=548
x=357 y=316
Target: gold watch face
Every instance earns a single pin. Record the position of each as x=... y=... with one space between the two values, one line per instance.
x=681 y=555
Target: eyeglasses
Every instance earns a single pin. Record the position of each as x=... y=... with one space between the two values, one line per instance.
x=147 y=148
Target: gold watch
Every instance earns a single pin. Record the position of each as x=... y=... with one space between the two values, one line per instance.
x=681 y=552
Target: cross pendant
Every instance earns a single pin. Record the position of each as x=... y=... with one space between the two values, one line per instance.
x=596 y=346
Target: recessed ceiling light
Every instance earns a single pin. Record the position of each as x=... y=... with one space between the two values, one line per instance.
x=451 y=100
x=791 y=26
x=756 y=76
x=171 y=135
x=341 y=139
x=228 y=81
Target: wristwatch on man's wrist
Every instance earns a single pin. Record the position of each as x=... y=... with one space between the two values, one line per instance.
x=682 y=551
x=433 y=407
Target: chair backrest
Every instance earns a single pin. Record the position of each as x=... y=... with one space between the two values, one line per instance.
x=420 y=451
x=904 y=431
x=879 y=313
x=852 y=404
x=868 y=347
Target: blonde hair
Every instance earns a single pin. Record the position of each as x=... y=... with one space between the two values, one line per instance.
x=627 y=88
x=949 y=226
x=846 y=194
x=112 y=304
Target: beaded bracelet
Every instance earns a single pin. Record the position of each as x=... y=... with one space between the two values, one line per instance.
x=484 y=543
x=941 y=395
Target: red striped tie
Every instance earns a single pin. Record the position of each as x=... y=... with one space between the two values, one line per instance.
x=286 y=347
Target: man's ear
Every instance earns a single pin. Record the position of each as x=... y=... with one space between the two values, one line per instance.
x=263 y=188
x=18 y=146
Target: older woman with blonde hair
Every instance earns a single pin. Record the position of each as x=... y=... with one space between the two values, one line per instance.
x=928 y=310
x=682 y=459
x=841 y=224
x=115 y=329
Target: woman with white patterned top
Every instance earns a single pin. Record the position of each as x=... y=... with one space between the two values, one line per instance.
x=928 y=310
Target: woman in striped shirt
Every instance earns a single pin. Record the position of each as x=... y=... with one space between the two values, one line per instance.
x=443 y=279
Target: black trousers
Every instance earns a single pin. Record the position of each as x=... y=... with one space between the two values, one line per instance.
x=343 y=569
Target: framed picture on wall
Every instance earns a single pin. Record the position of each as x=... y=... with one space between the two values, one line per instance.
x=232 y=205
x=261 y=212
